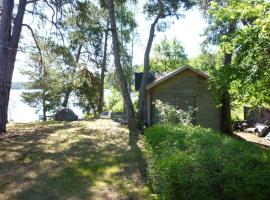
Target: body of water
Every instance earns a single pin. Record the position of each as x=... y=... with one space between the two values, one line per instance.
x=18 y=111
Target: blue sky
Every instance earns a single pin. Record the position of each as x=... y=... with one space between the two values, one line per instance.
x=188 y=30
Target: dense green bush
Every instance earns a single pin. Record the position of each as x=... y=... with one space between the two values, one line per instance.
x=188 y=162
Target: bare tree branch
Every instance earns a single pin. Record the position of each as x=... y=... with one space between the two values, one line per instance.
x=31 y=1
x=52 y=22
x=36 y=42
x=50 y=6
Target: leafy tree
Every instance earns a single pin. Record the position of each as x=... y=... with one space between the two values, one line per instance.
x=83 y=42
x=115 y=101
x=168 y=56
x=251 y=53
x=126 y=27
x=10 y=31
x=87 y=93
x=80 y=44
x=103 y=69
x=206 y=61
x=121 y=75
x=217 y=30
x=158 y=10
x=43 y=90
x=11 y=25
x=237 y=28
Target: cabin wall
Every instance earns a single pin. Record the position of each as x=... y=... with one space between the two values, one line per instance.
x=184 y=90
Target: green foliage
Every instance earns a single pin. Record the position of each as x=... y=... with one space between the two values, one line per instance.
x=126 y=25
x=87 y=93
x=171 y=115
x=242 y=29
x=252 y=58
x=207 y=61
x=82 y=45
x=168 y=56
x=127 y=34
x=187 y=162
x=42 y=91
x=167 y=8
x=116 y=102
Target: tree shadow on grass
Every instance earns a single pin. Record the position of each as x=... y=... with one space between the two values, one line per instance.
x=21 y=153
x=87 y=163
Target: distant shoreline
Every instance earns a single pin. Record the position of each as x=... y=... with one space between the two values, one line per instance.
x=18 y=85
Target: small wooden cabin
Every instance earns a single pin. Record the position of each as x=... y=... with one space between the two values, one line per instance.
x=184 y=88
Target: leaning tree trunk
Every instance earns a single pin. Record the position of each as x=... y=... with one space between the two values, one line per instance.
x=70 y=86
x=146 y=71
x=226 y=119
x=10 y=31
x=66 y=98
x=103 y=69
x=132 y=124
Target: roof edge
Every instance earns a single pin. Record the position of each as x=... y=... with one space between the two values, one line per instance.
x=175 y=72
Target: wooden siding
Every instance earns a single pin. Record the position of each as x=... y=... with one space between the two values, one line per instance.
x=188 y=85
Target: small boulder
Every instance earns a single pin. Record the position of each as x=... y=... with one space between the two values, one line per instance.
x=65 y=114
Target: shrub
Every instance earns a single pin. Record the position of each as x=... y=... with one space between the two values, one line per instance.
x=172 y=115
x=116 y=102
x=186 y=162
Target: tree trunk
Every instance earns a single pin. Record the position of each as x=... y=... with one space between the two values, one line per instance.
x=226 y=119
x=10 y=31
x=69 y=89
x=4 y=97
x=44 y=109
x=103 y=69
x=146 y=69
x=132 y=124
x=66 y=98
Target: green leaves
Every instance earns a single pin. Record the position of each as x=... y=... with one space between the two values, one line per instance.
x=242 y=28
x=186 y=162
x=168 y=56
x=162 y=9
x=167 y=8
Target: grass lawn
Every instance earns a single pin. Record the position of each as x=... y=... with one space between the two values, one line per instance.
x=79 y=160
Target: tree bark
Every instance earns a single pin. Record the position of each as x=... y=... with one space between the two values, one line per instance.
x=69 y=89
x=9 y=40
x=132 y=124
x=226 y=119
x=66 y=98
x=44 y=108
x=146 y=69
x=103 y=69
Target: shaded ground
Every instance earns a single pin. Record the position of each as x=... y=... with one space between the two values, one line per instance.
x=81 y=160
x=253 y=138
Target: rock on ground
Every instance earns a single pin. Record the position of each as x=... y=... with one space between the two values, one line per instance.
x=65 y=114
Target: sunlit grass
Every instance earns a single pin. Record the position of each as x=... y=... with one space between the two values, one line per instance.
x=79 y=160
